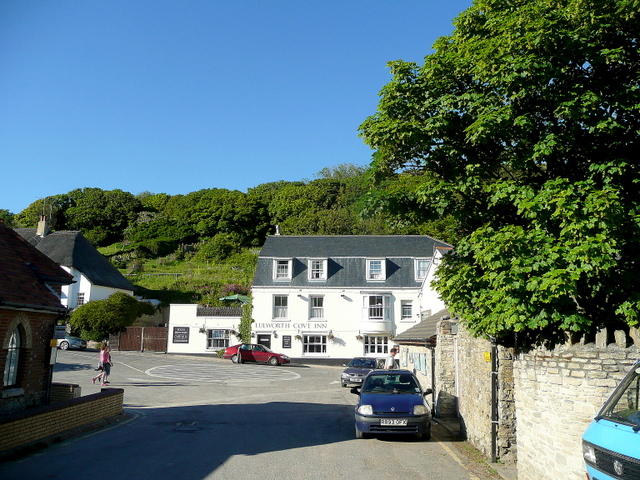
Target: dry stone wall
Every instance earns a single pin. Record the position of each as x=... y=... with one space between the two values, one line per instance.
x=557 y=394
x=476 y=394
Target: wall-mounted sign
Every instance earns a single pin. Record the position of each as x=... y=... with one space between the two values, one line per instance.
x=286 y=341
x=180 y=334
x=59 y=331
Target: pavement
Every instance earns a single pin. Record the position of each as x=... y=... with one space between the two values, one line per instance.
x=506 y=471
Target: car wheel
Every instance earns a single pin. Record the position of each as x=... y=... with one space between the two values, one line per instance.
x=359 y=435
x=234 y=359
x=425 y=435
x=64 y=345
x=273 y=361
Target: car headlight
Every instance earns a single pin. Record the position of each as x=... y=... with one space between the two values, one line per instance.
x=345 y=375
x=365 y=410
x=420 y=410
x=589 y=453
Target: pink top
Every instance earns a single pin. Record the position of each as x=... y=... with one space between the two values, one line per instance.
x=104 y=356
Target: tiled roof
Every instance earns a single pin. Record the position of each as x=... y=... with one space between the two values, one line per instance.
x=72 y=249
x=424 y=330
x=219 y=312
x=346 y=259
x=25 y=273
x=350 y=246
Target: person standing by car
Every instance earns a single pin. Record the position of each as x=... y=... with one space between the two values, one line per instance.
x=104 y=363
x=390 y=363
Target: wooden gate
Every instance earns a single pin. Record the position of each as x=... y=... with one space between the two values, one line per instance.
x=140 y=339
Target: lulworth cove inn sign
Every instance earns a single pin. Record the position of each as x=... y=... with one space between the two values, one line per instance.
x=287 y=325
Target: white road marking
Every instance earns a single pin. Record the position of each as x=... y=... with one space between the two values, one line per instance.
x=210 y=373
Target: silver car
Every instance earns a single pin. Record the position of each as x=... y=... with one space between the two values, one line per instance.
x=356 y=370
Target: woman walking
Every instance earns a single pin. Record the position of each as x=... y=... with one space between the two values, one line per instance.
x=104 y=363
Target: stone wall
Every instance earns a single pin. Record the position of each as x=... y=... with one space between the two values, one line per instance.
x=446 y=363
x=476 y=393
x=557 y=394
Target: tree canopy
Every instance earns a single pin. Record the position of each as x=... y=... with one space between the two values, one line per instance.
x=97 y=319
x=523 y=126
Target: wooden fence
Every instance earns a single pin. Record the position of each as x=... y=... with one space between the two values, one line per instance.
x=141 y=339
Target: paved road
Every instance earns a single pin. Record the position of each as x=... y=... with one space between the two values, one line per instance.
x=195 y=418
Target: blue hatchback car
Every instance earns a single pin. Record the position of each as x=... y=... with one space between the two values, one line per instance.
x=392 y=401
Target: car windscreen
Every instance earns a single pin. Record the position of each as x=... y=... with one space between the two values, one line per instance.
x=362 y=363
x=391 y=383
x=623 y=406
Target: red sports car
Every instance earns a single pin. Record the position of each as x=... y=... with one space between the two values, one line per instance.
x=250 y=352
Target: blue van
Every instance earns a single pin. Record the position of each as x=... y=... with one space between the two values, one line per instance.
x=611 y=444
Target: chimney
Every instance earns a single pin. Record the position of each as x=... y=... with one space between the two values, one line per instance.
x=277 y=229
x=43 y=226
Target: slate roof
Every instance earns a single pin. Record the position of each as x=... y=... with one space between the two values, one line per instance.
x=25 y=273
x=424 y=330
x=346 y=255
x=219 y=312
x=315 y=246
x=72 y=249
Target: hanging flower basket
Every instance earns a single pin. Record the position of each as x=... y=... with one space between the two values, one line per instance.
x=202 y=330
x=330 y=336
x=359 y=337
x=298 y=337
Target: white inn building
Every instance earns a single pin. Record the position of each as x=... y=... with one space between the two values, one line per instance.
x=336 y=297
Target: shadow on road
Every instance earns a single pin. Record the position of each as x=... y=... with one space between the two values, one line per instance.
x=189 y=443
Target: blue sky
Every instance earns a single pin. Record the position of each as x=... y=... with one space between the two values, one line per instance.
x=177 y=96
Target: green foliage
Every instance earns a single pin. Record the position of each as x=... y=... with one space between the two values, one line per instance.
x=97 y=319
x=102 y=215
x=245 y=322
x=7 y=217
x=523 y=128
x=220 y=247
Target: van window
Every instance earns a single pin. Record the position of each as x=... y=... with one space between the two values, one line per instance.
x=623 y=407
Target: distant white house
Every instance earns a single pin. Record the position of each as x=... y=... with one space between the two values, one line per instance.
x=197 y=329
x=336 y=297
x=95 y=278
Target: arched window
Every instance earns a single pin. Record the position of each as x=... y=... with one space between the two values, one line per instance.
x=13 y=357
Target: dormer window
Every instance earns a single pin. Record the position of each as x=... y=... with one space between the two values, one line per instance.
x=282 y=269
x=422 y=267
x=317 y=269
x=376 y=269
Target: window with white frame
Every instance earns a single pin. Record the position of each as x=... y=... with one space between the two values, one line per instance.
x=280 y=306
x=282 y=269
x=377 y=307
x=406 y=307
x=317 y=269
x=314 y=344
x=376 y=344
x=422 y=267
x=316 y=307
x=217 y=339
x=376 y=269
x=80 y=299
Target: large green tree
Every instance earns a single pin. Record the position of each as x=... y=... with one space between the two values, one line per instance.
x=523 y=126
x=97 y=319
x=102 y=215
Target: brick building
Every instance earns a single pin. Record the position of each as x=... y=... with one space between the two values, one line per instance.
x=30 y=288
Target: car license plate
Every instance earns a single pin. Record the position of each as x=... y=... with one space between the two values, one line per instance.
x=356 y=379
x=393 y=421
